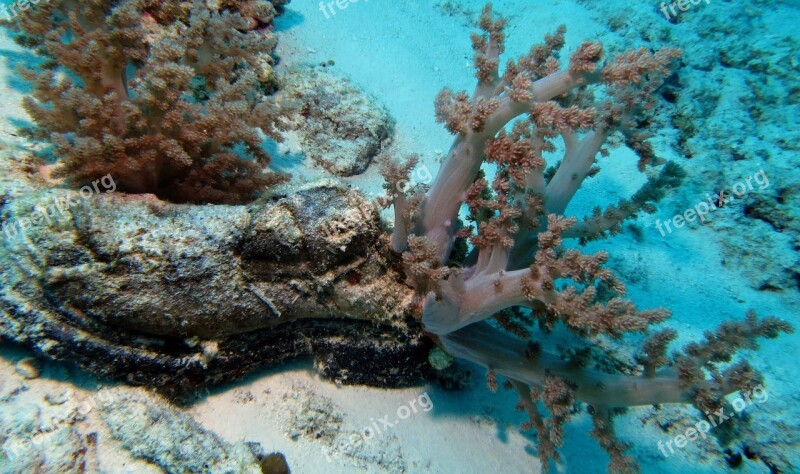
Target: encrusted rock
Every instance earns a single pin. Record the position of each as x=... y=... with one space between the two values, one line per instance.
x=180 y=296
x=29 y=367
x=340 y=127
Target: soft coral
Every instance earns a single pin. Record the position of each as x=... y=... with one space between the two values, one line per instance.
x=518 y=257
x=166 y=96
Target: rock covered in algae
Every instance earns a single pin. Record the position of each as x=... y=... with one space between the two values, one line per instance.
x=180 y=296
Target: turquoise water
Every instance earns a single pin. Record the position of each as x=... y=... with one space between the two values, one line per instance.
x=727 y=116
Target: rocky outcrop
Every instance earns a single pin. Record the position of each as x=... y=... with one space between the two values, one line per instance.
x=180 y=296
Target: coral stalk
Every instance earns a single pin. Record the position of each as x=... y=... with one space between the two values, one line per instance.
x=506 y=355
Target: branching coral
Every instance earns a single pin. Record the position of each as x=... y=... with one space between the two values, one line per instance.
x=518 y=259
x=166 y=96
